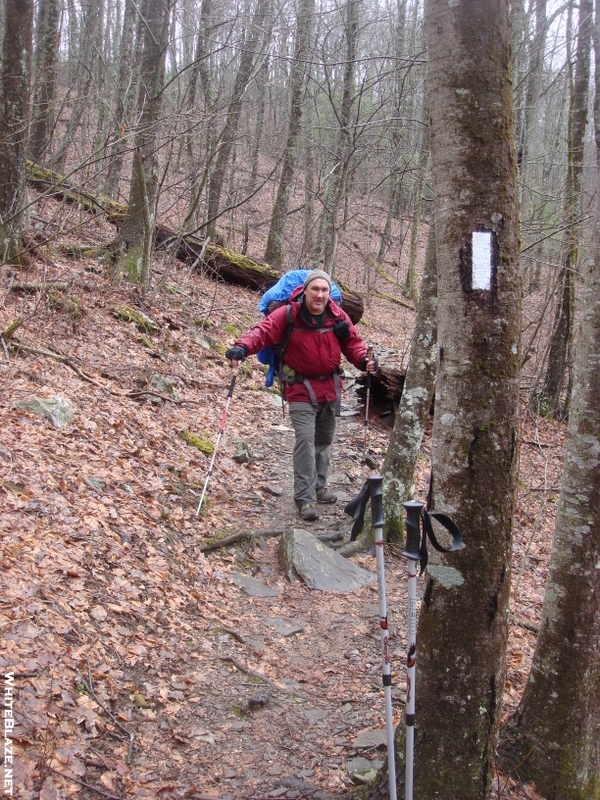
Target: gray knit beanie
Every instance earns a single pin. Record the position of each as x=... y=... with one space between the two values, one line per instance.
x=317 y=273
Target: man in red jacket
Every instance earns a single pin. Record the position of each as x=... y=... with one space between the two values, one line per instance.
x=320 y=332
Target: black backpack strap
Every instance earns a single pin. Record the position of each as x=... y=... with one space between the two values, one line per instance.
x=289 y=327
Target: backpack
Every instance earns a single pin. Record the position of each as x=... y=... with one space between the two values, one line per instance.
x=278 y=295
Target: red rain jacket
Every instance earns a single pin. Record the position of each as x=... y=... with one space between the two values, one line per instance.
x=313 y=353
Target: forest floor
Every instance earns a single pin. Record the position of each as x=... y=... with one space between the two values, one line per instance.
x=143 y=666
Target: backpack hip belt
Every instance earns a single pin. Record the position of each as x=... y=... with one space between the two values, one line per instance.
x=305 y=379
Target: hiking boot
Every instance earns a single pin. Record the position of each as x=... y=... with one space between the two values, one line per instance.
x=308 y=512
x=325 y=497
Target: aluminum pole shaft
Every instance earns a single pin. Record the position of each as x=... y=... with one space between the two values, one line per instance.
x=411 y=552
x=375 y=483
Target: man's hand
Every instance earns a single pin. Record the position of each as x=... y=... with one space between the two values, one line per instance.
x=373 y=366
x=236 y=354
x=370 y=363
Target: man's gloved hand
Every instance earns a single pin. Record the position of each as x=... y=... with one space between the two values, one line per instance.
x=236 y=353
x=342 y=330
x=366 y=361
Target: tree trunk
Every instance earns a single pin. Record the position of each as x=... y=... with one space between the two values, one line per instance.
x=138 y=226
x=560 y=352
x=201 y=73
x=252 y=47
x=552 y=738
x=123 y=101
x=14 y=120
x=463 y=624
x=403 y=450
x=396 y=172
x=411 y=287
x=90 y=36
x=46 y=62
x=261 y=79
x=275 y=241
x=308 y=217
x=336 y=187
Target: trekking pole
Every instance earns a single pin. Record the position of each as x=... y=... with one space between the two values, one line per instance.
x=376 y=490
x=412 y=553
x=366 y=423
x=221 y=429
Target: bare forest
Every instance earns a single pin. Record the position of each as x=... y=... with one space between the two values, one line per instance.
x=162 y=163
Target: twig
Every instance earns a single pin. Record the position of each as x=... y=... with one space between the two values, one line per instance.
x=528 y=626
x=130 y=734
x=101 y=792
x=253 y=674
x=216 y=544
x=41 y=351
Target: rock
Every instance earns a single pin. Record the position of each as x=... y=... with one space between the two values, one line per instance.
x=255 y=702
x=340 y=480
x=242 y=451
x=97 y=484
x=314 y=715
x=276 y=491
x=367 y=740
x=363 y=771
x=303 y=557
x=56 y=409
x=253 y=586
x=363 y=778
x=164 y=385
x=285 y=627
x=360 y=764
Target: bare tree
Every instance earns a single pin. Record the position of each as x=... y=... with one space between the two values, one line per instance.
x=257 y=37
x=338 y=175
x=552 y=738
x=124 y=97
x=46 y=66
x=14 y=121
x=137 y=230
x=560 y=351
x=298 y=75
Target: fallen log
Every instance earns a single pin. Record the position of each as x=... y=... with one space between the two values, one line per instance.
x=221 y=262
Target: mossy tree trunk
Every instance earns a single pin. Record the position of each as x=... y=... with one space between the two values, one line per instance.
x=553 y=737
x=14 y=121
x=403 y=450
x=463 y=623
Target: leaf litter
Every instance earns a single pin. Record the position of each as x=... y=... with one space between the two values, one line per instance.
x=141 y=669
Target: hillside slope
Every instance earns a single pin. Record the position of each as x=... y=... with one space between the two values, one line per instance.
x=141 y=668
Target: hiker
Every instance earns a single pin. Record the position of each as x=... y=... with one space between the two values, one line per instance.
x=313 y=335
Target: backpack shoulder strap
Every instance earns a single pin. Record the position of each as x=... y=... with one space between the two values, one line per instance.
x=289 y=327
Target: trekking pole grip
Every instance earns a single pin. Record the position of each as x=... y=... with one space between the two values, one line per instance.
x=376 y=489
x=234 y=374
x=413 y=529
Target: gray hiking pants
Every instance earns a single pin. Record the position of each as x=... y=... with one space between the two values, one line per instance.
x=314 y=428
